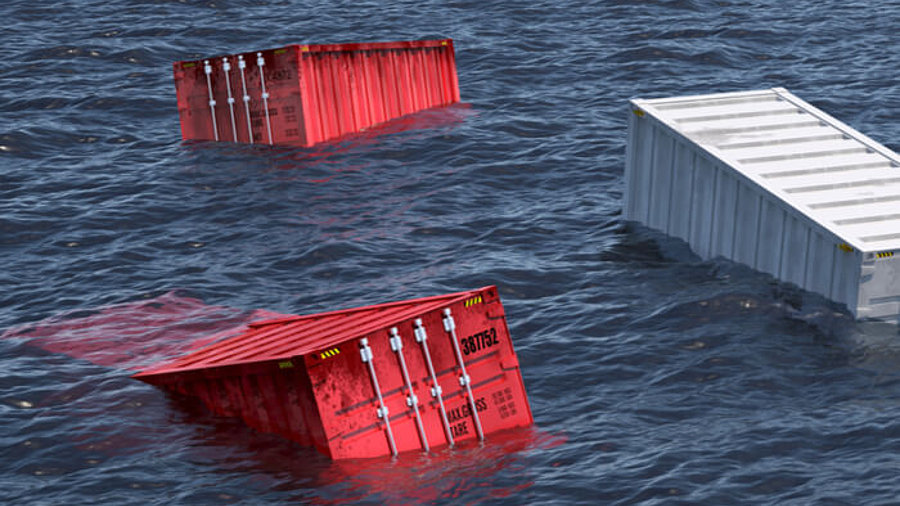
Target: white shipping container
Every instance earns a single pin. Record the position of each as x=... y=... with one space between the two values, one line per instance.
x=766 y=179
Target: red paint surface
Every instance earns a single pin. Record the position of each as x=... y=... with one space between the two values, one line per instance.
x=316 y=92
x=303 y=377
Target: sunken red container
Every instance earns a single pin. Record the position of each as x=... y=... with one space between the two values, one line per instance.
x=366 y=382
x=306 y=94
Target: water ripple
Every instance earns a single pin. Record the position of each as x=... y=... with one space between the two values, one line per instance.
x=653 y=377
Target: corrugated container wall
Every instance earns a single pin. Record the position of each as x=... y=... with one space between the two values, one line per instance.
x=766 y=179
x=305 y=94
x=366 y=382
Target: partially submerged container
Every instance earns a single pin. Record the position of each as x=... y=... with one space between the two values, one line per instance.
x=366 y=382
x=767 y=180
x=305 y=94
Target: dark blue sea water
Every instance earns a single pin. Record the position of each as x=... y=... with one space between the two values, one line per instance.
x=654 y=378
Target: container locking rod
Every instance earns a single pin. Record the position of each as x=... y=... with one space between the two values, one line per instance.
x=260 y=62
x=382 y=412
x=464 y=379
x=422 y=338
x=242 y=65
x=207 y=68
x=411 y=400
x=226 y=68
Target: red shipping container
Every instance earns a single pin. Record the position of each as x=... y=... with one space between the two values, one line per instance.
x=366 y=382
x=305 y=94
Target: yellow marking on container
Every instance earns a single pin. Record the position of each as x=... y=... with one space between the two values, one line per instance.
x=443 y=42
x=474 y=300
x=305 y=49
x=189 y=65
x=637 y=112
x=280 y=51
x=845 y=247
x=885 y=254
x=329 y=353
x=285 y=365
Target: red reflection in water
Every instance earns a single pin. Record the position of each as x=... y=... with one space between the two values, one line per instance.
x=133 y=335
x=421 y=122
x=492 y=470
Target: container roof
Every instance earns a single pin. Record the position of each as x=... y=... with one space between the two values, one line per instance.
x=836 y=176
x=287 y=337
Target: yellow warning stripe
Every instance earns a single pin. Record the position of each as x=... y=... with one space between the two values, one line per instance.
x=285 y=365
x=885 y=254
x=474 y=300
x=845 y=247
x=329 y=353
x=639 y=113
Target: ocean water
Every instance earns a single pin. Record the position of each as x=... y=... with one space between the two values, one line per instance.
x=654 y=377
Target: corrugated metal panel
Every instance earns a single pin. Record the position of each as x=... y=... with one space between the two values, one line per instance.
x=287 y=337
x=307 y=94
x=768 y=180
x=305 y=377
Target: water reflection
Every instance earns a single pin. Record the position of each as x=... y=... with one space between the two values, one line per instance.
x=412 y=127
x=133 y=335
x=496 y=469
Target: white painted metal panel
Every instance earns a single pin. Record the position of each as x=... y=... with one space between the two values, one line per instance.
x=768 y=180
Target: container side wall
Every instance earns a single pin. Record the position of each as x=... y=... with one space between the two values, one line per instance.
x=267 y=397
x=253 y=414
x=661 y=183
x=681 y=194
x=450 y=81
x=725 y=214
x=768 y=250
x=376 y=89
x=845 y=286
x=309 y=98
x=348 y=91
x=822 y=256
x=390 y=89
x=795 y=252
x=705 y=174
x=747 y=230
x=361 y=91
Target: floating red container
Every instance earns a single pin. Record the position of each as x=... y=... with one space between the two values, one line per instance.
x=305 y=94
x=366 y=382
